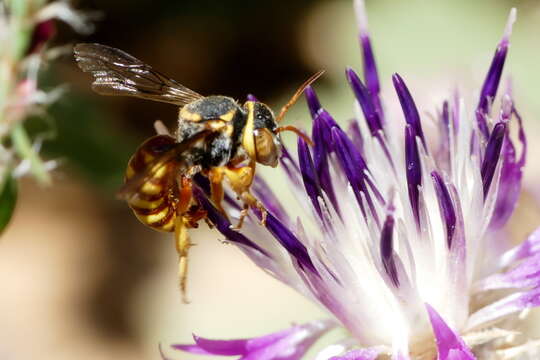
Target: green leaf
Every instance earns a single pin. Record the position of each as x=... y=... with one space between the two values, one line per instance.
x=8 y=198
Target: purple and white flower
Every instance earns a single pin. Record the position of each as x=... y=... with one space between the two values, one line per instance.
x=400 y=237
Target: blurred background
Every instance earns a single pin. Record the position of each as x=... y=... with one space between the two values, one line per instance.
x=82 y=278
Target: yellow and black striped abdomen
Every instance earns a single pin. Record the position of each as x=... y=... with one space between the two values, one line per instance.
x=155 y=200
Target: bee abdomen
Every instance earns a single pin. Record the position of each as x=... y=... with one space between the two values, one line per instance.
x=154 y=203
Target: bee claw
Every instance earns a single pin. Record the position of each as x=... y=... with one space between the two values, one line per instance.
x=241 y=219
x=264 y=213
x=264 y=216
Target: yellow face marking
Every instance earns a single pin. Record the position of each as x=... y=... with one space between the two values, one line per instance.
x=248 y=140
x=228 y=116
x=214 y=124
x=189 y=116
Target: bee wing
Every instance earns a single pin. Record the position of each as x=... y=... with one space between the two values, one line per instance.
x=131 y=188
x=118 y=73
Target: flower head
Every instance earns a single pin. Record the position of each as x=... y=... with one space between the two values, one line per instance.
x=400 y=231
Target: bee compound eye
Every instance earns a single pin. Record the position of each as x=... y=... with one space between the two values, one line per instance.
x=265 y=147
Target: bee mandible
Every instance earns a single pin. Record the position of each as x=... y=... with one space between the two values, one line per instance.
x=216 y=137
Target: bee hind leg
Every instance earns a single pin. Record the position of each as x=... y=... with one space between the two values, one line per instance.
x=216 y=188
x=183 y=244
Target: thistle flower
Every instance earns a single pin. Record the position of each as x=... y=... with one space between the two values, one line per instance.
x=400 y=234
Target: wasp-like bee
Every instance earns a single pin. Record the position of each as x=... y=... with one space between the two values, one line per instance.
x=216 y=137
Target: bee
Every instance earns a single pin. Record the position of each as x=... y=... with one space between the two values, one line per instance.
x=216 y=137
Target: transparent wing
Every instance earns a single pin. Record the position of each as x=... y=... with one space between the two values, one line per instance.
x=173 y=155
x=118 y=73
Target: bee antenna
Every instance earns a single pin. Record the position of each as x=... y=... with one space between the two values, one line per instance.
x=297 y=94
x=297 y=131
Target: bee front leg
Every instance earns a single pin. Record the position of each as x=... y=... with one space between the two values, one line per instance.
x=241 y=179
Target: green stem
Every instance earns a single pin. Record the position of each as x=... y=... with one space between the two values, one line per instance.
x=24 y=149
x=19 y=19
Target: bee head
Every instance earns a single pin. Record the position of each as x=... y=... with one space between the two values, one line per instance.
x=261 y=132
x=266 y=145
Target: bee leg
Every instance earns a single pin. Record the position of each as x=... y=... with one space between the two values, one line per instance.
x=216 y=188
x=182 y=247
x=243 y=214
x=250 y=201
x=160 y=128
x=240 y=180
x=181 y=235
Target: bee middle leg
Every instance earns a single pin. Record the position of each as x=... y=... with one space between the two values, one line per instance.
x=216 y=188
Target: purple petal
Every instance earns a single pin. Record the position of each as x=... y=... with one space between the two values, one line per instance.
x=360 y=354
x=410 y=111
x=525 y=274
x=511 y=175
x=289 y=344
x=204 y=184
x=313 y=102
x=445 y=116
x=413 y=170
x=311 y=180
x=458 y=282
x=370 y=71
x=289 y=241
x=264 y=193
x=529 y=247
x=492 y=155
x=321 y=133
x=387 y=249
x=508 y=305
x=370 y=66
x=356 y=135
x=222 y=224
x=446 y=207
x=443 y=153
x=251 y=97
x=364 y=99
x=354 y=167
x=289 y=164
x=449 y=345
x=493 y=77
